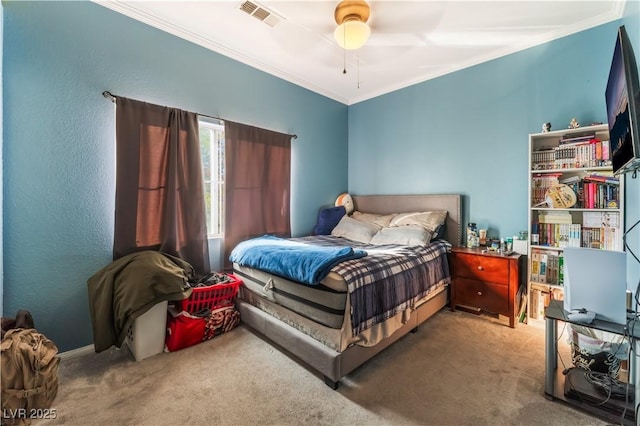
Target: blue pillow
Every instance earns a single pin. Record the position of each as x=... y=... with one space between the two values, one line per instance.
x=328 y=218
x=440 y=232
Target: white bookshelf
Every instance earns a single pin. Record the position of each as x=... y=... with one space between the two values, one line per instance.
x=554 y=160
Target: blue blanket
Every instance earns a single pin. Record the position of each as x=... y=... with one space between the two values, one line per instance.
x=296 y=260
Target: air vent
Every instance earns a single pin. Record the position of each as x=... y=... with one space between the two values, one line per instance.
x=260 y=13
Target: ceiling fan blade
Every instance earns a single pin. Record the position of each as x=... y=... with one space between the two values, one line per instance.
x=406 y=17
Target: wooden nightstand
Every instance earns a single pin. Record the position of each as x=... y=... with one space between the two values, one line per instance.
x=485 y=281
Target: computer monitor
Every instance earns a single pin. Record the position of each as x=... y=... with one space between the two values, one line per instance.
x=595 y=280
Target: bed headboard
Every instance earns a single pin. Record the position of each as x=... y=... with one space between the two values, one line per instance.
x=387 y=204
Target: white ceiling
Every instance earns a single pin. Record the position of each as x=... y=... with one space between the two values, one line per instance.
x=411 y=41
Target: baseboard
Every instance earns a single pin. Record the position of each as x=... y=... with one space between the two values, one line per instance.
x=75 y=353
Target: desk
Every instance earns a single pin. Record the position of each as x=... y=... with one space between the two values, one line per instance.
x=554 y=389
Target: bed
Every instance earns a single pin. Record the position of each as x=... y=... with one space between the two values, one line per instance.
x=321 y=325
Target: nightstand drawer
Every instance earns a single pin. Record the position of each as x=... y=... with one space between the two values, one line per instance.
x=487 y=296
x=485 y=268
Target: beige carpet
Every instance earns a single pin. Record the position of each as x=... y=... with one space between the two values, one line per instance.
x=458 y=369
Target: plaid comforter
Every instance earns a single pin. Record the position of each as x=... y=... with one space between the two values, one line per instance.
x=390 y=279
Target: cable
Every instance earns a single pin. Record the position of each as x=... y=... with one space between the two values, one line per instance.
x=604 y=382
x=624 y=240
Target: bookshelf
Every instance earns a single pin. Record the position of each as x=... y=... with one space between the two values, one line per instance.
x=574 y=201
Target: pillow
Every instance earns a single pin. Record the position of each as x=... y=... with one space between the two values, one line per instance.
x=428 y=220
x=354 y=230
x=328 y=219
x=411 y=235
x=440 y=233
x=381 y=221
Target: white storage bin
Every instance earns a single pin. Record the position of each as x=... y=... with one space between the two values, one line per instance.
x=146 y=336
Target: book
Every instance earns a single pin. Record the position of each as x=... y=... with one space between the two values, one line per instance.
x=570 y=179
x=534 y=303
x=606 y=153
x=535 y=265
x=522 y=312
x=554 y=217
x=580 y=136
x=560 y=269
x=542 y=274
x=551 y=268
x=594 y=177
x=600 y=219
x=544 y=297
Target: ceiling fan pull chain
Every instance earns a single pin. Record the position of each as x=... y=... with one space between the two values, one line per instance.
x=344 y=62
x=344 y=54
x=358 y=67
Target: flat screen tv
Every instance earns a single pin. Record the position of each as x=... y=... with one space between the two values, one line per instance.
x=623 y=107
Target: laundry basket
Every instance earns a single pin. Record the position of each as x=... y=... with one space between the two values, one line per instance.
x=146 y=335
x=212 y=297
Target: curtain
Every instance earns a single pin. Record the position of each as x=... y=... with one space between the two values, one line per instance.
x=257 y=182
x=159 y=185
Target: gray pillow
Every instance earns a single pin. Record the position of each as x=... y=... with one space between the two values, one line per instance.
x=380 y=220
x=410 y=235
x=428 y=220
x=354 y=230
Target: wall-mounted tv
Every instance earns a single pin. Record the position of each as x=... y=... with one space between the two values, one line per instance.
x=623 y=107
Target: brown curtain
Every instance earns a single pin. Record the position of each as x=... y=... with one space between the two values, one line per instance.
x=257 y=182
x=159 y=185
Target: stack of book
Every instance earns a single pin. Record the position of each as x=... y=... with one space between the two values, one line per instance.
x=539 y=300
x=539 y=185
x=600 y=230
x=556 y=230
x=582 y=150
x=547 y=267
x=573 y=152
x=594 y=191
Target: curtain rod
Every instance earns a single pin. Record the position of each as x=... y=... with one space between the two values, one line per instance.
x=112 y=98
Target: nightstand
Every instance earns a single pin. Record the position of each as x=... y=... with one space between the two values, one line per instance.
x=485 y=281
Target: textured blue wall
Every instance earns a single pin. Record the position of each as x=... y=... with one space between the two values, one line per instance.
x=59 y=178
x=464 y=133
x=467 y=132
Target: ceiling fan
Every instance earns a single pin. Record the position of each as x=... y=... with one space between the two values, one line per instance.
x=356 y=33
x=352 y=31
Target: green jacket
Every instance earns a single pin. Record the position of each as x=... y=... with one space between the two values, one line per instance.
x=130 y=286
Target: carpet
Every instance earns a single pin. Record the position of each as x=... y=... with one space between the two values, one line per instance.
x=457 y=369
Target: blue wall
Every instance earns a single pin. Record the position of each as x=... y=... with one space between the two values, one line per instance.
x=467 y=132
x=461 y=133
x=59 y=178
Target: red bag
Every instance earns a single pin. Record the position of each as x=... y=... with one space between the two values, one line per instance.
x=184 y=330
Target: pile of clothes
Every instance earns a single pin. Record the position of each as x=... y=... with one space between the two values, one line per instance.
x=211 y=278
x=187 y=328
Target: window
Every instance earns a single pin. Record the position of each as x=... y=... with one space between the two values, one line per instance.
x=212 y=152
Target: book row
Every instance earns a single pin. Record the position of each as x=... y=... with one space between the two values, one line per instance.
x=547 y=267
x=540 y=299
x=596 y=195
x=575 y=235
x=582 y=154
x=589 y=219
x=592 y=191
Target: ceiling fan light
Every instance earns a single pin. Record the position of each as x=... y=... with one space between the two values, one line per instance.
x=351 y=35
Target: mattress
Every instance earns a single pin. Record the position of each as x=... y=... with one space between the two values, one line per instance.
x=361 y=301
x=324 y=303
x=339 y=339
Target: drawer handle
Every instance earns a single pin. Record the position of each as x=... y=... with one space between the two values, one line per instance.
x=480 y=268
x=479 y=293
